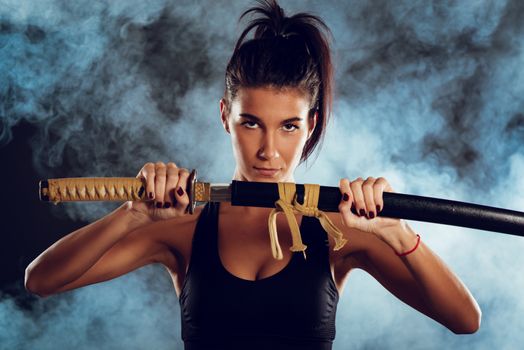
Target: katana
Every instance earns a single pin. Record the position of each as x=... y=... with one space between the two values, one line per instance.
x=265 y=194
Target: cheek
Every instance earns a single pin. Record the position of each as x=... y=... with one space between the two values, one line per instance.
x=243 y=143
x=295 y=144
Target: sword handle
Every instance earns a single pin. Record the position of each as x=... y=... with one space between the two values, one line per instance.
x=103 y=189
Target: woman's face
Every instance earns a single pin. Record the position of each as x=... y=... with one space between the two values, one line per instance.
x=269 y=129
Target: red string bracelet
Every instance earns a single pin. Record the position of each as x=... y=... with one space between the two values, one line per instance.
x=412 y=250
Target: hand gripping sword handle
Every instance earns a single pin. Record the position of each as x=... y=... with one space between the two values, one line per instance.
x=104 y=189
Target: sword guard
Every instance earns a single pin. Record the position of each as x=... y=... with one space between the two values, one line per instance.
x=191 y=192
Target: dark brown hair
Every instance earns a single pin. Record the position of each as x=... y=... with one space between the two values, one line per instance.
x=286 y=52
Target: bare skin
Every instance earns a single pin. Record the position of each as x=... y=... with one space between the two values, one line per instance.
x=138 y=234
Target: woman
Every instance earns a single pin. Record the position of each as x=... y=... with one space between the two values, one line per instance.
x=232 y=291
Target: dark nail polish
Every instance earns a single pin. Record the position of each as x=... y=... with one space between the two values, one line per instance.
x=180 y=191
x=167 y=205
x=150 y=195
x=371 y=215
x=362 y=212
x=345 y=197
x=158 y=205
x=378 y=209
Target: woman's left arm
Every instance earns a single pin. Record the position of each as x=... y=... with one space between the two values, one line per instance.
x=420 y=279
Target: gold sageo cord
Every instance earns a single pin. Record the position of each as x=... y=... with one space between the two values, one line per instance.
x=288 y=204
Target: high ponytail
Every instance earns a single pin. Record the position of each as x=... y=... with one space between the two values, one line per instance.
x=285 y=52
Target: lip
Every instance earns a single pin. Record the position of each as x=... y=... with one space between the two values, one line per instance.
x=266 y=171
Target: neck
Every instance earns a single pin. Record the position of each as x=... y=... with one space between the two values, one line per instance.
x=245 y=212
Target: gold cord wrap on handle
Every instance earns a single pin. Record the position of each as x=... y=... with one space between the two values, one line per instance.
x=95 y=189
x=288 y=204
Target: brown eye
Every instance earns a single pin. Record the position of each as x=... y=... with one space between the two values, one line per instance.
x=295 y=127
x=244 y=123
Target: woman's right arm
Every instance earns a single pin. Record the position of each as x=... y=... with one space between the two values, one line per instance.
x=116 y=244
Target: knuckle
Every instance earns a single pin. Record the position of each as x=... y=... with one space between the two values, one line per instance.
x=381 y=181
x=146 y=170
x=172 y=171
x=160 y=165
x=183 y=172
x=367 y=185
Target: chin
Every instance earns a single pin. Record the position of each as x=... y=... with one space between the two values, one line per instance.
x=276 y=178
x=265 y=179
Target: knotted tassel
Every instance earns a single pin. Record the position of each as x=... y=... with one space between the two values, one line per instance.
x=288 y=204
x=286 y=191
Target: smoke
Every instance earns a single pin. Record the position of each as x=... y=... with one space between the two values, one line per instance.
x=98 y=316
x=429 y=97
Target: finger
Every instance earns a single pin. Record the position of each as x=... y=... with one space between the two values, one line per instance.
x=181 y=197
x=171 y=184
x=148 y=173
x=358 y=196
x=345 y=190
x=368 y=189
x=160 y=183
x=344 y=206
x=380 y=185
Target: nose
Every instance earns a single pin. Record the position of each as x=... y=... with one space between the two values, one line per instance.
x=268 y=148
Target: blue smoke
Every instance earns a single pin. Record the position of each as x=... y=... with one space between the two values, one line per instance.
x=429 y=95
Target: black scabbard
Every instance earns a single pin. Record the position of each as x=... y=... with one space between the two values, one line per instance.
x=396 y=205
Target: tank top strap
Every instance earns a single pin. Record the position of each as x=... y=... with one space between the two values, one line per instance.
x=315 y=237
x=204 y=238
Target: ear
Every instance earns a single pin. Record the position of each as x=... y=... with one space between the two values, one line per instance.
x=312 y=123
x=223 y=115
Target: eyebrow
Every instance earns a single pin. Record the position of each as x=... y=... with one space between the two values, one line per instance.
x=254 y=117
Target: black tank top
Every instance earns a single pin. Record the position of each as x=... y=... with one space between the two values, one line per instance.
x=293 y=309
